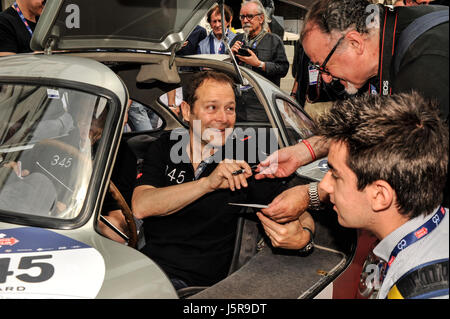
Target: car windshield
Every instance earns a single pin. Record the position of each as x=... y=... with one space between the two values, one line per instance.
x=48 y=141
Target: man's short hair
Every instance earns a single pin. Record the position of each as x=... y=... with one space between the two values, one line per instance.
x=190 y=87
x=228 y=12
x=398 y=139
x=339 y=15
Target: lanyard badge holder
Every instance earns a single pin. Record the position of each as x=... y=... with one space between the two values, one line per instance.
x=22 y=17
x=314 y=80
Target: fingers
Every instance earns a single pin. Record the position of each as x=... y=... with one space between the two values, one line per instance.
x=268 y=167
x=281 y=235
x=236 y=46
x=233 y=174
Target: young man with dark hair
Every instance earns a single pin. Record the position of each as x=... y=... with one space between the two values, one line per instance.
x=388 y=163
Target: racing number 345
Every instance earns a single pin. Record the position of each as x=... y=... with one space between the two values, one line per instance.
x=26 y=263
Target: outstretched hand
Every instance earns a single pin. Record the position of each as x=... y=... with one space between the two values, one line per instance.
x=281 y=163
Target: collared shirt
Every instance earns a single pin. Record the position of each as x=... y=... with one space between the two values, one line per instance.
x=204 y=47
x=432 y=247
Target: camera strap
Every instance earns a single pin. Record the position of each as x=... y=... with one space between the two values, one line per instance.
x=387 y=50
x=392 y=52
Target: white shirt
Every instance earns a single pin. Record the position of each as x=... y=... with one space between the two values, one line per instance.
x=433 y=246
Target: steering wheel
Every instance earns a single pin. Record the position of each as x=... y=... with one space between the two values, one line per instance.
x=126 y=211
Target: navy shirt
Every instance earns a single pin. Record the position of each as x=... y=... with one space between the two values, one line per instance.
x=14 y=36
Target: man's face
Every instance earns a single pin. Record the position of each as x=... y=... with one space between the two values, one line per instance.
x=216 y=24
x=343 y=64
x=213 y=112
x=35 y=6
x=351 y=205
x=254 y=25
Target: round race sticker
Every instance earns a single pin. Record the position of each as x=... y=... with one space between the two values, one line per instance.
x=39 y=263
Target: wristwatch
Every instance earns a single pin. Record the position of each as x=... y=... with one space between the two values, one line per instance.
x=310 y=245
x=314 y=201
x=261 y=65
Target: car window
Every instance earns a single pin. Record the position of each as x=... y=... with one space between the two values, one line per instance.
x=297 y=125
x=48 y=141
x=142 y=118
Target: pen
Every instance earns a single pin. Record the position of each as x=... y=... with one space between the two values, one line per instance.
x=242 y=170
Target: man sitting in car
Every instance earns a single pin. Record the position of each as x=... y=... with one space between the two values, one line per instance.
x=186 y=186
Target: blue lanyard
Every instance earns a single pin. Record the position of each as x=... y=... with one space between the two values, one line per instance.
x=16 y=6
x=416 y=235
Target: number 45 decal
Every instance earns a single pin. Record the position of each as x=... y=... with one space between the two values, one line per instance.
x=47 y=270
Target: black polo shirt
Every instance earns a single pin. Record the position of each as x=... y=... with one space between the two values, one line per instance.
x=196 y=243
x=424 y=66
x=14 y=35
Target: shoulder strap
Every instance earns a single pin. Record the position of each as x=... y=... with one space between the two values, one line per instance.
x=416 y=29
x=387 y=52
x=425 y=281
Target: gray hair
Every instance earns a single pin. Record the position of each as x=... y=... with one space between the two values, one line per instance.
x=261 y=10
x=341 y=15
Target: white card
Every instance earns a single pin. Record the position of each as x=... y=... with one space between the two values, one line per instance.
x=249 y=205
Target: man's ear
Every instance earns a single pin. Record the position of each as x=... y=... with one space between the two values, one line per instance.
x=382 y=195
x=185 y=111
x=356 y=41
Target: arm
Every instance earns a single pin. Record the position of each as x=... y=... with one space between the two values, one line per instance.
x=159 y=201
x=285 y=161
x=291 y=204
x=270 y=53
x=278 y=64
x=172 y=103
x=294 y=89
x=152 y=201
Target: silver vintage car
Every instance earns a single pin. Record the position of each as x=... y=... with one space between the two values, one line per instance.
x=62 y=134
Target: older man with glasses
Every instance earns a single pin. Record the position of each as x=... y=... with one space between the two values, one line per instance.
x=267 y=55
x=358 y=44
x=261 y=51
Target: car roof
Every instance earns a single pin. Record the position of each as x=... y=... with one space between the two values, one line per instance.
x=116 y=24
x=62 y=67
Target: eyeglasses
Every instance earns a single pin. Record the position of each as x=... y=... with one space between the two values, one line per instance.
x=248 y=16
x=321 y=68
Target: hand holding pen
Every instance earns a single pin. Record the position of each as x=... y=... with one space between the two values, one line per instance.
x=230 y=174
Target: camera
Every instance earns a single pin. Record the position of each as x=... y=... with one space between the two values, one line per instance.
x=243 y=51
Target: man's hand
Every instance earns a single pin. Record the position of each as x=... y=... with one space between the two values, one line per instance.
x=289 y=205
x=17 y=167
x=222 y=177
x=252 y=59
x=236 y=46
x=288 y=236
x=281 y=163
x=285 y=161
